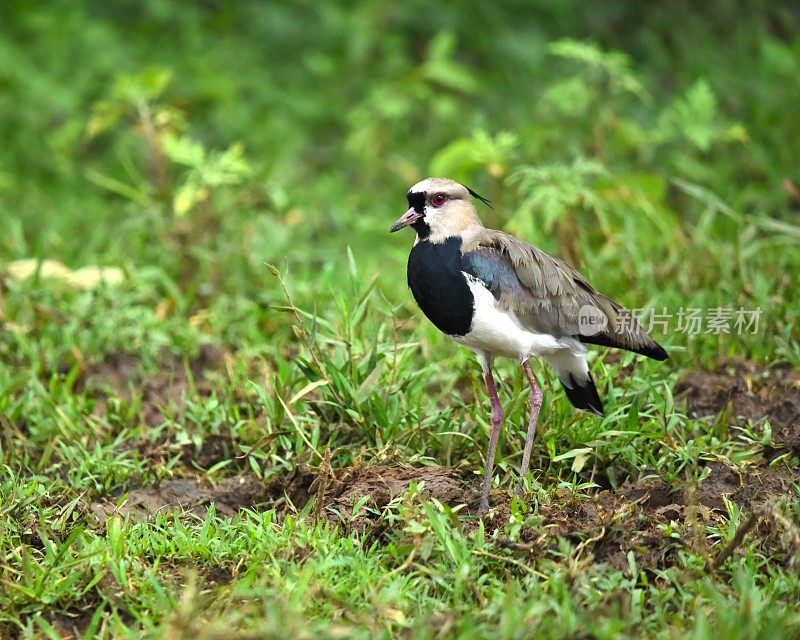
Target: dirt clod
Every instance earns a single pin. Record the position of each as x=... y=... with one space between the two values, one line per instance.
x=753 y=393
x=72 y=625
x=654 y=520
x=379 y=484
x=119 y=375
x=382 y=484
x=649 y=518
x=229 y=496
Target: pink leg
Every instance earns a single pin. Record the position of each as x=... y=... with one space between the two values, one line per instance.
x=497 y=419
x=536 y=405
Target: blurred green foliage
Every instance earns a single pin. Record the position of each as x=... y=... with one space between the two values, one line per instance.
x=340 y=107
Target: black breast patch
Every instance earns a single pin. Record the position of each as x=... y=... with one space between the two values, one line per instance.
x=439 y=287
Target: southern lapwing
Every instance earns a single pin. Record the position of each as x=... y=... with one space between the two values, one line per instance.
x=500 y=296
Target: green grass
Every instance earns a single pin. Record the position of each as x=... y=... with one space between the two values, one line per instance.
x=264 y=329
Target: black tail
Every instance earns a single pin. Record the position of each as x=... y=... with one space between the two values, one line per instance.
x=650 y=348
x=583 y=396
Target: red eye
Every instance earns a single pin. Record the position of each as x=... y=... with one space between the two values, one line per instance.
x=438 y=199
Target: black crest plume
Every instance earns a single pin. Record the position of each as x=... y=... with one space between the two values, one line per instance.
x=479 y=197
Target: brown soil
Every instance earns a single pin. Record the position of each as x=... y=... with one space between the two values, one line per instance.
x=383 y=484
x=751 y=392
x=341 y=491
x=160 y=393
x=635 y=518
x=71 y=626
x=649 y=518
x=213 y=449
x=191 y=495
x=638 y=516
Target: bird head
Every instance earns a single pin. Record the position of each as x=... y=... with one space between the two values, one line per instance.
x=439 y=208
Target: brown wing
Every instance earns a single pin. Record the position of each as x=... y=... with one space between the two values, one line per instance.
x=547 y=295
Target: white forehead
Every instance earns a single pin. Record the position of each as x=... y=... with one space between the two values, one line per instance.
x=422 y=186
x=435 y=184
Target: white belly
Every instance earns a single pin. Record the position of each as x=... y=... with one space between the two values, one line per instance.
x=497 y=332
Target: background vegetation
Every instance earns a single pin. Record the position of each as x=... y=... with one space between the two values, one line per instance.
x=235 y=169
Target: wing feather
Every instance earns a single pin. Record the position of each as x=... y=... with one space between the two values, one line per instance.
x=547 y=294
